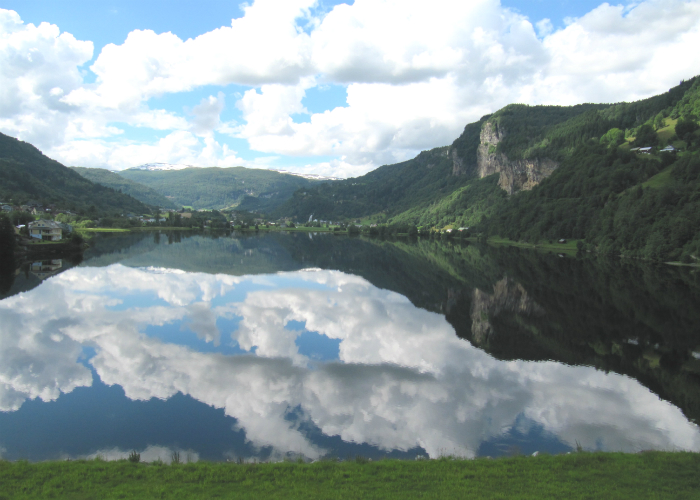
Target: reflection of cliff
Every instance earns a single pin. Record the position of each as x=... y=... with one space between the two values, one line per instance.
x=634 y=320
x=515 y=175
x=508 y=296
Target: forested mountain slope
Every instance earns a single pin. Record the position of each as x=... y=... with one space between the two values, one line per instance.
x=387 y=190
x=26 y=174
x=621 y=201
x=216 y=188
x=548 y=172
x=115 y=181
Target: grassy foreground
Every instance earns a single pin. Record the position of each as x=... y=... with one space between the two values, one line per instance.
x=579 y=475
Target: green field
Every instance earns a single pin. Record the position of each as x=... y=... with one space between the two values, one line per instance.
x=579 y=475
x=568 y=247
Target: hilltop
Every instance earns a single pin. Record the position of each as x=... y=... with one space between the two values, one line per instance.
x=218 y=188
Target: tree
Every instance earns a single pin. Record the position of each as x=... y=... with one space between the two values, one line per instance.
x=613 y=137
x=7 y=254
x=659 y=121
x=685 y=129
x=19 y=218
x=646 y=136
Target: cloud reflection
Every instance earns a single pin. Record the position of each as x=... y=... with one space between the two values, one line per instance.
x=403 y=379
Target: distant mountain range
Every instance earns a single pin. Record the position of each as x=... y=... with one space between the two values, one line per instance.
x=315 y=177
x=218 y=188
x=159 y=166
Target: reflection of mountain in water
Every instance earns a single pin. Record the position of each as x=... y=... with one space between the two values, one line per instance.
x=629 y=318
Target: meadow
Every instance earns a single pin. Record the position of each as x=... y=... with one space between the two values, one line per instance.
x=577 y=475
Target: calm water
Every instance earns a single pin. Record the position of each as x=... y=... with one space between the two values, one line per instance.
x=227 y=347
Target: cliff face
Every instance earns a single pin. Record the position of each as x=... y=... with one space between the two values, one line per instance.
x=507 y=296
x=515 y=175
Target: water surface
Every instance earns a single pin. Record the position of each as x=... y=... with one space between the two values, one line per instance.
x=227 y=347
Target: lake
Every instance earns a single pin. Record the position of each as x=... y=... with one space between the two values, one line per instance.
x=286 y=345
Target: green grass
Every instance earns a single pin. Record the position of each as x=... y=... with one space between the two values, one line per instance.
x=580 y=475
x=45 y=242
x=100 y=230
x=568 y=247
x=665 y=133
x=660 y=180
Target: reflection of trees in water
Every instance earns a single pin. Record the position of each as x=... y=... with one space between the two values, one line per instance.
x=7 y=255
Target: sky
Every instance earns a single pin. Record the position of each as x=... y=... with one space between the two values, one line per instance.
x=315 y=86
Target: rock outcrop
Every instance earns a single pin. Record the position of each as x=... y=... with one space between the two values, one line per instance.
x=515 y=175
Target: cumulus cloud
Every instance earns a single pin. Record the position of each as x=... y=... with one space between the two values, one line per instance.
x=414 y=77
x=403 y=379
x=207 y=114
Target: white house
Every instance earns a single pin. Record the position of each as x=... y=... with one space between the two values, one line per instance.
x=47 y=230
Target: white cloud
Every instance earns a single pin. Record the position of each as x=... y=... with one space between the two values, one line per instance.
x=414 y=75
x=38 y=65
x=177 y=147
x=207 y=114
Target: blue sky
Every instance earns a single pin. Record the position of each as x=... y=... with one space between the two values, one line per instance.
x=336 y=88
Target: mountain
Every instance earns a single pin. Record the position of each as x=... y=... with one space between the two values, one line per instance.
x=538 y=173
x=388 y=190
x=217 y=188
x=115 y=181
x=26 y=174
x=618 y=200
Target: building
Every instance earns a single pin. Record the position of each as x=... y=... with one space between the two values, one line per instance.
x=46 y=230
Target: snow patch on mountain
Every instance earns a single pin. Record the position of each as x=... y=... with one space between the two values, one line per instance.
x=160 y=166
x=314 y=177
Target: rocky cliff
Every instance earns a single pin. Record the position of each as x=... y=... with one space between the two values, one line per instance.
x=515 y=175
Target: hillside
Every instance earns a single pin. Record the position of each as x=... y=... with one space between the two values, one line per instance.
x=26 y=174
x=538 y=173
x=119 y=183
x=388 y=190
x=621 y=202
x=216 y=188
